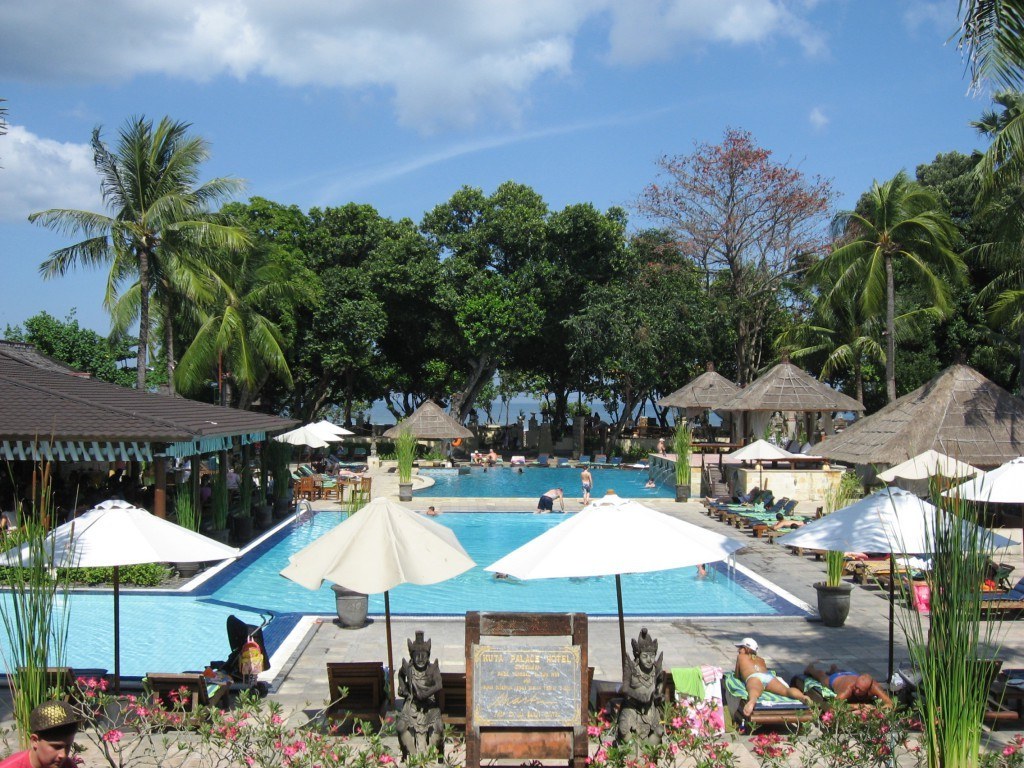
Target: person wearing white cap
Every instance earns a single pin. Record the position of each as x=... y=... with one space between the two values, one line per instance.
x=751 y=669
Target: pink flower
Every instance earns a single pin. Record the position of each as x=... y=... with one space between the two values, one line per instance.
x=112 y=736
x=826 y=717
x=385 y=759
x=677 y=722
x=593 y=730
x=1009 y=750
x=276 y=719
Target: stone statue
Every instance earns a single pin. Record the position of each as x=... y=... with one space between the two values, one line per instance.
x=642 y=692
x=419 y=723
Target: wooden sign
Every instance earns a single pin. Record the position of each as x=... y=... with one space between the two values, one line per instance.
x=526 y=686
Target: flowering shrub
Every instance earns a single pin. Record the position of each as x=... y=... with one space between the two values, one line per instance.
x=845 y=735
x=1011 y=756
x=771 y=749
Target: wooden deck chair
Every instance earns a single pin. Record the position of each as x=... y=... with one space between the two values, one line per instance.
x=187 y=690
x=452 y=699
x=331 y=490
x=305 y=488
x=771 y=709
x=365 y=684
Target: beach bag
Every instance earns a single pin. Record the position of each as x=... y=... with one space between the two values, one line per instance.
x=250 y=662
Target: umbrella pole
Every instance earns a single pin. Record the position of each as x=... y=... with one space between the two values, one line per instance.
x=117 y=631
x=892 y=609
x=391 y=660
x=622 y=620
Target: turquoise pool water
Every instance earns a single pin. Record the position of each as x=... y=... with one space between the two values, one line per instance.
x=487 y=537
x=506 y=481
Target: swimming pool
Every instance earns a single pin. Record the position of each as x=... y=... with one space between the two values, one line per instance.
x=488 y=536
x=507 y=481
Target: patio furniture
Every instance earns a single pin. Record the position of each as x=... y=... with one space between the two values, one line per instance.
x=186 y=690
x=365 y=683
x=453 y=699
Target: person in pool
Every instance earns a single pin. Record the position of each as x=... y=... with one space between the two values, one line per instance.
x=587 y=480
x=546 y=503
x=752 y=670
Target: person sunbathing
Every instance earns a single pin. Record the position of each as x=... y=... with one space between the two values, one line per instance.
x=781 y=523
x=850 y=686
x=752 y=670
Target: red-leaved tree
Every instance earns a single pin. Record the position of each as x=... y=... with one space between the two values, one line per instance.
x=748 y=223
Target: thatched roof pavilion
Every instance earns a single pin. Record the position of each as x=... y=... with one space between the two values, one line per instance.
x=959 y=413
x=787 y=388
x=708 y=391
x=430 y=422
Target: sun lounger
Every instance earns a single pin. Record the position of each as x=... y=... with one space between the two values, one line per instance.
x=542 y=460
x=185 y=691
x=1009 y=603
x=600 y=460
x=518 y=461
x=561 y=462
x=771 y=708
x=615 y=461
x=583 y=460
x=364 y=682
x=452 y=699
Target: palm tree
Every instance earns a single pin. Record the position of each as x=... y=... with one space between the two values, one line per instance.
x=150 y=186
x=992 y=32
x=900 y=221
x=236 y=334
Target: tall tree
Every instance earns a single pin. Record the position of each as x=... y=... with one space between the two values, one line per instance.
x=150 y=185
x=898 y=222
x=992 y=35
x=743 y=219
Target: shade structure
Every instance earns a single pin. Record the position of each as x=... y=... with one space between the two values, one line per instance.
x=430 y=422
x=759 y=450
x=613 y=536
x=330 y=428
x=917 y=474
x=309 y=435
x=376 y=549
x=787 y=388
x=1003 y=485
x=116 y=533
x=892 y=520
x=959 y=413
x=707 y=392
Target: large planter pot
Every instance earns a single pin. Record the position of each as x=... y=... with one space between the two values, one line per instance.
x=833 y=603
x=263 y=516
x=283 y=506
x=352 y=607
x=682 y=492
x=242 y=528
x=405 y=491
x=187 y=570
x=219 y=534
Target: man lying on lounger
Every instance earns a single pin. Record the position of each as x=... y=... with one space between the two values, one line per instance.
x=751 y=669
x=849 y=686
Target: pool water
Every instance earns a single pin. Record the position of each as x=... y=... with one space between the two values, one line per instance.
x=507 y=481
x=487 y=536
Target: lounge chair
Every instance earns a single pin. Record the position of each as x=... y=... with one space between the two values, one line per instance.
x=771 y=708
x=693 y=683
x=518 y=461
x=365 y=683
x=452 y=699
x=583 y=460
x=561 y=462
x=615 y=461
x=600 y=460
x=1009 y=603
x=186 y=690
x=542 y=460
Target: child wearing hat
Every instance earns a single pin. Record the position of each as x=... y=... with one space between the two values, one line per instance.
x=52 y=726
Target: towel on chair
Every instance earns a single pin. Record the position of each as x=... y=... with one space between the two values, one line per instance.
x=688 y=681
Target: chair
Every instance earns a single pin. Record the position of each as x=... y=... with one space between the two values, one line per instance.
x=1009 y=603
x=331 y=490
x=616 y=461
x=542 y=460
x=359 y=452
x=452 y=699
x=364 y=682
x=600 y=459
x=561 y=462
x=771 y=708
x=305 y=488
x=186 y=690
x=583 y=460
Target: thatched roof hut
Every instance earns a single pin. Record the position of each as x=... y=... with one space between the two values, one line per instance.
x=708 y=391
x=430 y=422
x=787 y=388
x=959 y=413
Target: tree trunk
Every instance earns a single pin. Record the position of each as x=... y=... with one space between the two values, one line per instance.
x=858 y=382
x=169 y=351
x=483 y=371
x=141 y=357
x=890 y=330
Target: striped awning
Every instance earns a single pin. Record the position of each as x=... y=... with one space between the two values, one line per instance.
x=74 y=450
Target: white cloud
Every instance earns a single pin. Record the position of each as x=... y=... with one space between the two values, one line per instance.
x=38 y=173
x=446 y=62
x=818 y=119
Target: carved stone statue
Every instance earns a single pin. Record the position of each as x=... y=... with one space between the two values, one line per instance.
x=642 y=692
x=419 y=723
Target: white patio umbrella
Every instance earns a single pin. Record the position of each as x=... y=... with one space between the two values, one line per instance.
x=915 y=473
x=330 y=428
x=891 y=520
x=376 y=549
x=308 y=435
x=1003 y=485
x=757 y=452
x=116 y=533
x=610 y=536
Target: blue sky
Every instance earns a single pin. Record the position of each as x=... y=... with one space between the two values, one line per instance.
x=398 y=103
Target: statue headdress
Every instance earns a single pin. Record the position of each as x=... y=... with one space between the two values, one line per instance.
x=644 y=642
x=419 y=644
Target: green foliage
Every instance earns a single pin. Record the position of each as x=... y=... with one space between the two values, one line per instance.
x=278 y=457
x=682 y=447
x=140 y=575
x=405 y=453
x=245 y=490
x=219 y=502
x=186 y=510
x=838 y=496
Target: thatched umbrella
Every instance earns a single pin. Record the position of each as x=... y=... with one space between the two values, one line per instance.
x=786 y=388
x=707 y=392
x=430 y=422
x=959 y=413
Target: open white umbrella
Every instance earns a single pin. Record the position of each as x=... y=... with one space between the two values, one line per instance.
x=376 y=549
x=116 y=533
x=892 y=520
x=613 y=536
x=308 y=435
x=757 y=452
x=330 y=428
x=1003 y=485
x=915 y=474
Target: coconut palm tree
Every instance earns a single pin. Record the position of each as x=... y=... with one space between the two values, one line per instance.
x=236 y=334
x=992 y=33
x=897 y=221
x=150 y=185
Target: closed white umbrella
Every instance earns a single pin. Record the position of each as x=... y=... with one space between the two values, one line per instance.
x=893 y=521
x=116 y=533
x=610 y=536
x=376 y=549
x=1003 y=485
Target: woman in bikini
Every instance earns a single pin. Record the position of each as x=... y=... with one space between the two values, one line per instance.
x=751 y=669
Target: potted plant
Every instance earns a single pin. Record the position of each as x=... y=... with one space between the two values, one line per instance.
x=682 y=446
x=189 y=516
x=262 y=511
x=242 y=522
x=405 y=453
x=219 y=509
x=833 y=593
x=279 y=455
